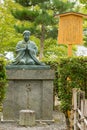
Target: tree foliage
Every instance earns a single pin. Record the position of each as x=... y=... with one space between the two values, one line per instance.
x=83 y=9
x=41 y=14
x=83 y=1
x=8 y=35
x=36 y=16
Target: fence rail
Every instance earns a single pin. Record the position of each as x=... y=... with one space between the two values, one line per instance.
x=79 y=110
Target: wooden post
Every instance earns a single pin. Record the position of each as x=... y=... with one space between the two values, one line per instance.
x=75 y=107
x=82 y=109
x=69 y=49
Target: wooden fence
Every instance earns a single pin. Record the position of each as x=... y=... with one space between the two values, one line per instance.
x=79 y=108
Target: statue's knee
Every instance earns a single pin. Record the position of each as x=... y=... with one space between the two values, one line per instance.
x=22 y=62
x=30 y=62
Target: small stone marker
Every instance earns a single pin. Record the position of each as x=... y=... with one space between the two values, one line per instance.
x=27 y=118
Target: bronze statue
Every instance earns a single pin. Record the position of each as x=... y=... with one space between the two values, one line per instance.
x=26 y=51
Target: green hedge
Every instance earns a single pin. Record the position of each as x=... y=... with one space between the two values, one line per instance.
x=2 y=81
x=70 y=72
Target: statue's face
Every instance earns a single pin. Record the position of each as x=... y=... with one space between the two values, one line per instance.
x=26 y=36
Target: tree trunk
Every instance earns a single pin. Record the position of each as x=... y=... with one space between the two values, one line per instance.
x=42 y=41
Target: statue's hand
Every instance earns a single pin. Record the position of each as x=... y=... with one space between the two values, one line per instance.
x=21 y=49
x=26 y=46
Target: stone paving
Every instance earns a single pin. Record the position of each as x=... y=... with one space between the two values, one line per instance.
x=58 y=124
x=15 y=126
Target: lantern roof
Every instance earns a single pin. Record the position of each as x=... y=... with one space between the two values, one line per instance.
x=71 y=13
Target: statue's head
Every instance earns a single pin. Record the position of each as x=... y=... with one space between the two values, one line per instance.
x=26 y=35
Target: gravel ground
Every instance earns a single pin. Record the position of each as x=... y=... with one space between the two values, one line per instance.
x=58 y=124
x=15 y=126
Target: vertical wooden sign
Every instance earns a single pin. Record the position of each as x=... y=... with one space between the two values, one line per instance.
x=70 y=29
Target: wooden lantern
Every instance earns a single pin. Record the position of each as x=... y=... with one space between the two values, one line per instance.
x=70 y=29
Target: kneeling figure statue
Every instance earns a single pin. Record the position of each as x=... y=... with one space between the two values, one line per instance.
x=26 y=51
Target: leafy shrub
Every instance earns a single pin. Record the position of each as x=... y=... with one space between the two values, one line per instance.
x=2 y=80
x=70 y=72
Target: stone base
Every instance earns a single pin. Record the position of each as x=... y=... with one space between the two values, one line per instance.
x=29 y=88
x=27 y=118
x=29 y=67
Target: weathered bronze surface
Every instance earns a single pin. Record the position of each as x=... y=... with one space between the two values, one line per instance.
x=26 y=51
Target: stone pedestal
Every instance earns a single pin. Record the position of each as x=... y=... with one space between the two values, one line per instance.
x=29 y=88
x=27 y=118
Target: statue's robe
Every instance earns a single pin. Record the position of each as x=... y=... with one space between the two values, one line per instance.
x=28 y=55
